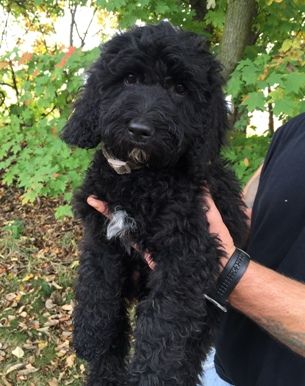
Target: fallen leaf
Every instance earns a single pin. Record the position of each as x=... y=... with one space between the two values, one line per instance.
x=5 y=382
x=42 y=344
x=70 y=360
x=18 y=352
x=57 y=286
x=10 y=297
x=82 y=368
x=29 y=369
x=49 y=304
x=67 y=307
x=28 y=277
x=14 y=368
x=52 y=323
x=53 y=382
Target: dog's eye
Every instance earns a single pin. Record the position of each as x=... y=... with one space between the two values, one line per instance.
x=131 y=79
x=180 y=89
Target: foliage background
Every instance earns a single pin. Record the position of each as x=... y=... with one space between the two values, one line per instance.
x=37 y=87
x=261 y=44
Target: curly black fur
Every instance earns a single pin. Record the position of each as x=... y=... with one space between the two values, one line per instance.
x=165 y=79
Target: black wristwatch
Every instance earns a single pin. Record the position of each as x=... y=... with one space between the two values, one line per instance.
x=229 y=278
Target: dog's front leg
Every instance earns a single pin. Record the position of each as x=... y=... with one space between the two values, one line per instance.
x=101 y=326
x=174 y=329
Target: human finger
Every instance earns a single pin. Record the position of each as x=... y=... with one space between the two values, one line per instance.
x=218 y=227
x=100 y=206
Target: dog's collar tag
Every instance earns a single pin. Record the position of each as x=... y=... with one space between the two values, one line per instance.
x=120 y=167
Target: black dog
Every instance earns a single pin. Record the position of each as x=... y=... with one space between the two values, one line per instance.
x=153 y=100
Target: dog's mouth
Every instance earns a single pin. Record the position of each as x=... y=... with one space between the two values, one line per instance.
x=137 y=158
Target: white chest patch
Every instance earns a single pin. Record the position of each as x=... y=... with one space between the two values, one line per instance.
x=120 y=225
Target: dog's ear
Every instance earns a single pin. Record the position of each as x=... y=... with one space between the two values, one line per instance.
x=82 y=127
x=218 y=110
x=219 y=118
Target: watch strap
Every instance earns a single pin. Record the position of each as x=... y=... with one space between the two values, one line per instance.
x=229 y=278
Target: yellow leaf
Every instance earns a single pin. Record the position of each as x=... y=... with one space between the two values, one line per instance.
x=42 y=344
x=246 y=162
x=28 y=277
x=287 y=44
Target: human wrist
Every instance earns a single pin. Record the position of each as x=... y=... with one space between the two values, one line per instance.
x=231 y=274
x=229 y=250
x=239 y=297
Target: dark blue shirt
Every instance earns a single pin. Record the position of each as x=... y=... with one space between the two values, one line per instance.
x=246 y=354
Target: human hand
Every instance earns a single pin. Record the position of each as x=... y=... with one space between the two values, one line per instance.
x=102 y=207
x=217 y=227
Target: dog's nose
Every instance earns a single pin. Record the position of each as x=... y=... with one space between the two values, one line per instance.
x=139 y=130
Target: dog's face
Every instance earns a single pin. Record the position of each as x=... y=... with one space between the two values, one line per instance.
x=154 y=95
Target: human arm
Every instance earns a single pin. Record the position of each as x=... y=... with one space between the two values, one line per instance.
x=250 y=190
x=273 y=301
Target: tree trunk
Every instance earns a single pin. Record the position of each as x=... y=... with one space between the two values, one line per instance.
x=237 y=33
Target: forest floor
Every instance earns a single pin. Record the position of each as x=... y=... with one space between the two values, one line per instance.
x=38 y=264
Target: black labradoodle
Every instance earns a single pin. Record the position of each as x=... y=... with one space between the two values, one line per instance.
x=153 y=103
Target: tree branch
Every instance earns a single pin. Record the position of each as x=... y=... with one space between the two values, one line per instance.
x=4 y=29
x=2 y=97
x=7 y=84
x=15 y=87
x=73 y=10
x=87 y=29
x=49 y=112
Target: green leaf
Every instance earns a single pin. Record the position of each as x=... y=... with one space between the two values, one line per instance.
x=234 y=85
x=255 y=101
x=286 y=107
x=274 y=78
x=162 y=8
x=294 y=82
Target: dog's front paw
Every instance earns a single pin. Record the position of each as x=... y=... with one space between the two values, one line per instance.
x=145 y=380
x=87 y=346
x=106 y=373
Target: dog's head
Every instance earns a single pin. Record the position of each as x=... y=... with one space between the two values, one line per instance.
x=156 y=92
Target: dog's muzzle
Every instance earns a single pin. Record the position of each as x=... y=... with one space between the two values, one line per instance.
x=137 y=160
